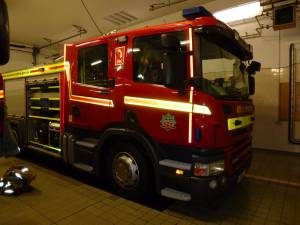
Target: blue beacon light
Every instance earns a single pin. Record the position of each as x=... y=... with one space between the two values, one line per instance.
x=192 y=13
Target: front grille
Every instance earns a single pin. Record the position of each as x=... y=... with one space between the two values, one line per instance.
x=240 y=132
x=228 y=109
x=240 y=152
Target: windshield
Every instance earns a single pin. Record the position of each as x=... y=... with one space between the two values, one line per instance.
x=224 y=75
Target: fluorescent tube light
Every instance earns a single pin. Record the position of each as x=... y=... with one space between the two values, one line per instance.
x=241 y=12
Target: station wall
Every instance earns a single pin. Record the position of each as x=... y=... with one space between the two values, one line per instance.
x=272 y=50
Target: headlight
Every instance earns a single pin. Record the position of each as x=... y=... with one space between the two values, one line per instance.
x=209 y=169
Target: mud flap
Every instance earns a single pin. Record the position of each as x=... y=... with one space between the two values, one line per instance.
x=8 y=144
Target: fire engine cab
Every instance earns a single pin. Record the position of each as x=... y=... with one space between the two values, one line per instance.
x=162 y=108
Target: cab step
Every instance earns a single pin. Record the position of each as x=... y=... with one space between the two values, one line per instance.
x=175 y=194
x=89 y=143
x=83 y=167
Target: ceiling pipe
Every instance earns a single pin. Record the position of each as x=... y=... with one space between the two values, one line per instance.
x=271 y=2
x=20 y=50
x=36 y=50
x=163 y=4
x=91 y=17
x=80 y=31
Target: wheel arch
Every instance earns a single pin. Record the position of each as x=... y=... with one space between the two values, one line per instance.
x=134 y=136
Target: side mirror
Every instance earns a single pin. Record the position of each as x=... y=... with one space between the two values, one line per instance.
x=4 y=34
x=251 y=83
x=253 y=68
x=169 y=41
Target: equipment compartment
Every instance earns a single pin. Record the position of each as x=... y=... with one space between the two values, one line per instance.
x=43 y=113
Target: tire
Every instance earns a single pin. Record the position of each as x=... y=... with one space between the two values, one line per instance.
x=128 y=171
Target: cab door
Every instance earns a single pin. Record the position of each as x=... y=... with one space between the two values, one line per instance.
x=90 y=99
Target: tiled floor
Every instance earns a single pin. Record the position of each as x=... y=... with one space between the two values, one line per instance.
x=276 y=165
x=58 y=198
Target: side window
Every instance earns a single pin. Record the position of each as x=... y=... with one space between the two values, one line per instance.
x=148 y=57
x=93 y=65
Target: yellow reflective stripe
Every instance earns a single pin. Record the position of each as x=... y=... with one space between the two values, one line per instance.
x=1 y=94
x=35 y=88
x=55 y=68
x=94 y=101
x=35 y=71
x=168 y=105
x=45 y=146
x=37 y=107
x=239 y=122
x=44 y=118
x=50 y=87
x=159 y=104
x=53 y=87
x=201 y=109
x=53 y=99
x=54 y=109
x=192 y=88
x=84 y=99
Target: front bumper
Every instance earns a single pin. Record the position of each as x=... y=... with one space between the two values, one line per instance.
x=200 y=188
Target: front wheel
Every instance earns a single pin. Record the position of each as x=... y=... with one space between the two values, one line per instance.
x=128 y=170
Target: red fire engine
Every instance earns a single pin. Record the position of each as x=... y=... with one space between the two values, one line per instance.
x=164 y=107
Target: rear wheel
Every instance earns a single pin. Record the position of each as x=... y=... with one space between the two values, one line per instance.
x=128 y=170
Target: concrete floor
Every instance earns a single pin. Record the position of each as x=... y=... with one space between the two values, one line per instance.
x=62 y=195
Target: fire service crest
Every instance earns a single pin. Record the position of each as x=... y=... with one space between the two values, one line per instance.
x=168 y=122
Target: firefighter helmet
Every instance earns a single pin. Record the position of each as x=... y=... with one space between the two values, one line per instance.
x=16 y=180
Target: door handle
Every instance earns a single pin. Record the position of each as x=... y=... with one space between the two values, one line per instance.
x=75 y=110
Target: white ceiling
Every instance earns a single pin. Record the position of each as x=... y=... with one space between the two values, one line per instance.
x=33 y=20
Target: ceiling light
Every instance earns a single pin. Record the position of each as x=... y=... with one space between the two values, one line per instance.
x=241 y=12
